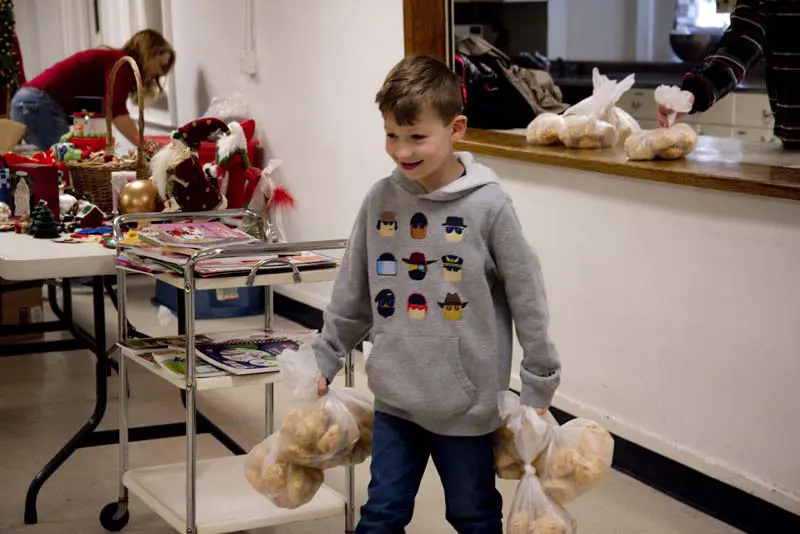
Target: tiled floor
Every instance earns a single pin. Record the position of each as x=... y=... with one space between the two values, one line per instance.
x=45 y=398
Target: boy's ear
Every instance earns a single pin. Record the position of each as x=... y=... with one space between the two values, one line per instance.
x=459 y=127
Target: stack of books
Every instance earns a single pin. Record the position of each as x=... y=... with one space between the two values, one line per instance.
x=166 y=248
x=233 y=353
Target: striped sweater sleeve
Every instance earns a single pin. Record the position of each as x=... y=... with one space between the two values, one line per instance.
x=741 y=47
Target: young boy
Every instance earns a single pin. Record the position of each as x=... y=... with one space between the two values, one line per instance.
x=436 y=269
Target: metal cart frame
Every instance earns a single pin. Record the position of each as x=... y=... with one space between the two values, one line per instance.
x=115 y=515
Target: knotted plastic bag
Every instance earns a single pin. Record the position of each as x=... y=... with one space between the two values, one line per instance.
x=674 y=142
x=532 y=511
x=522 y=427
x=594 y=122
x=327 y=431
x=286 y=484
x=576 y=459
x=545 y=129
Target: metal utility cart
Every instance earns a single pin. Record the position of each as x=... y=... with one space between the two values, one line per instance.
x=214 y=496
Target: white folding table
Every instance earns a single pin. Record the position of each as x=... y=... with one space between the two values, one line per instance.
x=25 y=262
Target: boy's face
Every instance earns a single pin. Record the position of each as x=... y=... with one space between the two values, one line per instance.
x=422 y=148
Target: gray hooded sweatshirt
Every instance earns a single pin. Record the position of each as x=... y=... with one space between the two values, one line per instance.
x=436 y=279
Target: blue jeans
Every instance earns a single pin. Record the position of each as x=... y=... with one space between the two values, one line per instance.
x=400 y=452
x=45 y=120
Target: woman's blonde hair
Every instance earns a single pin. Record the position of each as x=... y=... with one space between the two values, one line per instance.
x=143 y=46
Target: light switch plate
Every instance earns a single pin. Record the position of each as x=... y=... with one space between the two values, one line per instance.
x=247 y=60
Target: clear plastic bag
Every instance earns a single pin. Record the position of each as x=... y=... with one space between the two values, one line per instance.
x=286 y=484
x=595 y=121
x=605 y=95
x=545 y=129
x=675 y=99
x=587 y=132
x=533 y=512
x=624 y=124
x=233 y=107
x=677 y=141
x=576 y=460
x=523 y=430
x=322 y=432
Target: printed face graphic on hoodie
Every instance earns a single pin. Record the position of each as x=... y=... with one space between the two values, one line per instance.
x=454 y=228
x=417 y=266
x=385 y=303
x=453 y=307
x=387 y=224
x=419 y=226
x=451 y=268
x=417 y=306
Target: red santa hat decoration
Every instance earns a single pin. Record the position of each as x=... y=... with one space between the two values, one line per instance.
x=177 y=174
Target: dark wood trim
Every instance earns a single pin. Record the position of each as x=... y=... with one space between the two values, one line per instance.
x=722 y=175
x=425 y=23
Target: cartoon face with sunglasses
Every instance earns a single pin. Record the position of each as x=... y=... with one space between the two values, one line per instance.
x=454 y=228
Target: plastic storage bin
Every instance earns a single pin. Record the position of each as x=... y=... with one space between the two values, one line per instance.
x=215 y=303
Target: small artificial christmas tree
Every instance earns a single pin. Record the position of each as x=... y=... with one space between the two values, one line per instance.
x=42 y=224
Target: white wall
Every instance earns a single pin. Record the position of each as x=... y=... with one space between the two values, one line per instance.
x=320 y=64
x=676 y=313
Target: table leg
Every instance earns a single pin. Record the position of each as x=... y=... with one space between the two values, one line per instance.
x=101 y=370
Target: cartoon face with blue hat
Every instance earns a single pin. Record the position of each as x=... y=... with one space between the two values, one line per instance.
x=387 y=224
x=385 y=301
x=417 y=306
x=419 y=226
x=417 y=266
x=451 y=268
x=454 y=229
x=387 y=265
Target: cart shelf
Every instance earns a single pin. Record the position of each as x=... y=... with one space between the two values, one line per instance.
x=208 y=382
x=226 y=502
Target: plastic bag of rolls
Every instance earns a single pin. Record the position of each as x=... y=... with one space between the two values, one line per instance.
x=675 y=142
x=319 y=433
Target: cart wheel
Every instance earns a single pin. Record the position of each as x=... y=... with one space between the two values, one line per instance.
x=114 y=516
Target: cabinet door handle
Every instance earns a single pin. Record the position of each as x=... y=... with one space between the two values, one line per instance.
x=636 y=104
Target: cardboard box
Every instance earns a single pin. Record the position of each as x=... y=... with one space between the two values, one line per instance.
x=20 y=306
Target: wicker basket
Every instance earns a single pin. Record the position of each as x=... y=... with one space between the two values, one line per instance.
x=93 y=177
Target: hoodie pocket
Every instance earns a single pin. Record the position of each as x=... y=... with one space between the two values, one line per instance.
x=421 y=376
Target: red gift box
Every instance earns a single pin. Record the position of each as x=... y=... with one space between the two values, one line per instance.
x=44 y=181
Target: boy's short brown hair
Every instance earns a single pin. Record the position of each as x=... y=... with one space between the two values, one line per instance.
x=416 y=82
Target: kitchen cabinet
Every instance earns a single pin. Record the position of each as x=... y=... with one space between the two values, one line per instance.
x=745 y=116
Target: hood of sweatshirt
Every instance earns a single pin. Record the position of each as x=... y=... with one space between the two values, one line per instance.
x=476 y=176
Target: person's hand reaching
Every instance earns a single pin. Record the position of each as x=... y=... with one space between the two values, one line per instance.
x=322 y=386
x=664 y=112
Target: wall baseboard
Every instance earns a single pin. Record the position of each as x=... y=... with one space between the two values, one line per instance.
x=645 y=460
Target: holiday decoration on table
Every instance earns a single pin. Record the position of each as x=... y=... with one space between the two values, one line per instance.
x=89 y=124
x=119 y=179
x=89 y=215
x=42 y=182
x=267 y=201
x=139 y=196
x=42 y=224
x=5 y=212
x=67 y=204
x=22 y=224
x=232 y=167
x=177 y=174
x=22 y=197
